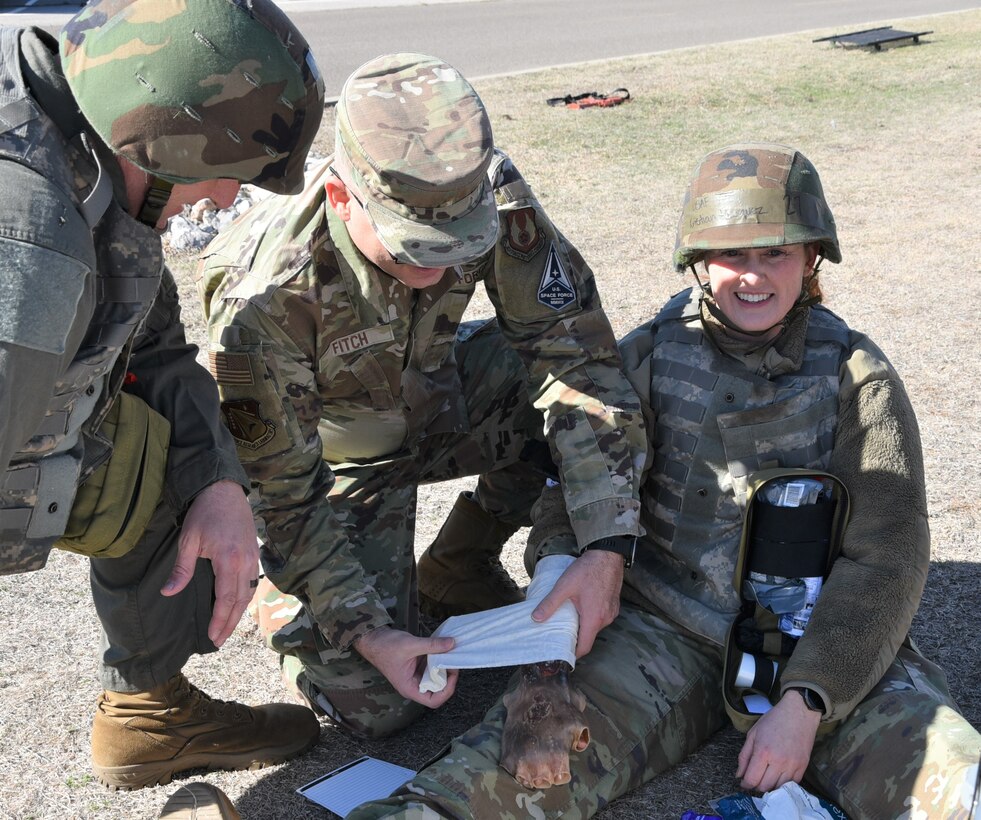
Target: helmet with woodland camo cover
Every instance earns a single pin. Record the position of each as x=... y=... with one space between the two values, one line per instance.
x=754 y=195
x=190 y=90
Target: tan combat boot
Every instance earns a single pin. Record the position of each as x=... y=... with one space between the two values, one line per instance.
x=144 y=738
x=199 y=801
x=461 y=571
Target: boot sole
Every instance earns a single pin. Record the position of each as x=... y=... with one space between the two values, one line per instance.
x=160 y=773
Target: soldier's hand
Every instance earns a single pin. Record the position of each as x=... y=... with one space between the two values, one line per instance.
x=778 y=748
x=401 y=658
x=219 y=526
x=592 y=582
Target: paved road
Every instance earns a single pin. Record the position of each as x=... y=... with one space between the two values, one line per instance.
x=487 y=37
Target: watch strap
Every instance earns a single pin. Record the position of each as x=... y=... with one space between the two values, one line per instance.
x=623 y=545
x=811 y=698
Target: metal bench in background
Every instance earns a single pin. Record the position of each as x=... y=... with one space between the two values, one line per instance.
x=873 y=37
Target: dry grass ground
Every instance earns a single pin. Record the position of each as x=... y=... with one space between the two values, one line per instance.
x=895 y=137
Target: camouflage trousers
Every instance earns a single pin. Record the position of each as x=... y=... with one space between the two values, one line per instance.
x=653 y=696
x=376 y=502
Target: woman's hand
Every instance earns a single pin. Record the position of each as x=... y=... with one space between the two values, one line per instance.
x=778 y=748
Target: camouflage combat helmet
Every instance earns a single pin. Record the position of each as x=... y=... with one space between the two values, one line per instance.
x=190 y=90
x=754 y=195
x=414 y=142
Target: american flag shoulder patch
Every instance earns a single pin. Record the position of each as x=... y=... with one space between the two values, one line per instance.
x=230 y=368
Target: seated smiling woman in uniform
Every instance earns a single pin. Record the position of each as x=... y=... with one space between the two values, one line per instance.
x=741 y=375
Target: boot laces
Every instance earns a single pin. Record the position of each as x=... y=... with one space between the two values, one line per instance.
x=499 y=576
x=204 y=706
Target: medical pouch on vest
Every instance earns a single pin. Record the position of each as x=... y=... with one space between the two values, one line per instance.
x=101 y=523
x=792 y=530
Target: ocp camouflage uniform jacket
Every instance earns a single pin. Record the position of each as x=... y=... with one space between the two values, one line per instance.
x=82 y=310
x=821 y=397
x=320 y=355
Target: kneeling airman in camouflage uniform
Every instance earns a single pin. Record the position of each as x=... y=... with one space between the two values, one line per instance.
x=744 y=373
x=347 y=380
x=111 y=443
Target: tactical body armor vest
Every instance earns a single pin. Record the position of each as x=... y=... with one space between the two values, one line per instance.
x=716 y=423
x=39 y=486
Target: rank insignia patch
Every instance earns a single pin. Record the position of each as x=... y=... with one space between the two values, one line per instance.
x=556 y=290
x=245 y=424
x=522 y=239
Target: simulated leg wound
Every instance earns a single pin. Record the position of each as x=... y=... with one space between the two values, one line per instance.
x=544 y=723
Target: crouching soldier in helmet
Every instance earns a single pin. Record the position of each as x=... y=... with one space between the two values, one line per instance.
x=110 y=443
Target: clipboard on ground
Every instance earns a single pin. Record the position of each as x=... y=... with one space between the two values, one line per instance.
x=354 y=783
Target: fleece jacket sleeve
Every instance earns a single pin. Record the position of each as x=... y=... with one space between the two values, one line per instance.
x=868 y=602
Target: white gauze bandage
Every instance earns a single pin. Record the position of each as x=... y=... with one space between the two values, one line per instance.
x=507 y=636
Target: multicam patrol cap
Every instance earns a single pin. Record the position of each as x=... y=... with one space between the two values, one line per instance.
x=754 y=195
x=414 y=142
x=197 y=89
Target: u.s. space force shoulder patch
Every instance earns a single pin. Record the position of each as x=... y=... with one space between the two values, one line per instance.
x=556 y=289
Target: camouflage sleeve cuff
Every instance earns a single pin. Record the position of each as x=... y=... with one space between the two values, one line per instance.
x=352 y=619
x=604 y=518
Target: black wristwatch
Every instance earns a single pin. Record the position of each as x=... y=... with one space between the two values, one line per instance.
x=812 y=700
x=623 y=545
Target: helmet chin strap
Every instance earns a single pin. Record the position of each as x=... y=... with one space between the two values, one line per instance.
x=803 y=301
x=155 y=201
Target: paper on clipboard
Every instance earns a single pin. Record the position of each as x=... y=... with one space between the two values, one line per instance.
x=354 y=783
